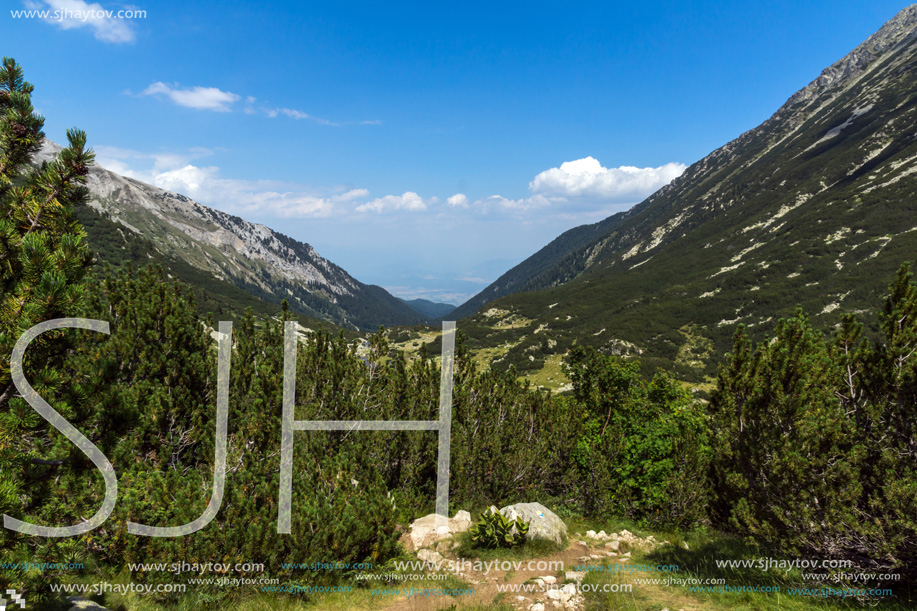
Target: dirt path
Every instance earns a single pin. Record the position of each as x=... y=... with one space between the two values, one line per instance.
x=489 y=586
x=591 y=549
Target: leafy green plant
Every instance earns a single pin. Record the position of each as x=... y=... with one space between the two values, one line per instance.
x=493 y=530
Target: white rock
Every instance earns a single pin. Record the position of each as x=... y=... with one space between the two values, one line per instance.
x=79 y=604
x=428 y=555
x=460 y=523
x=576 y=576
x=425 y=531
x=537 y=607
x=590 y=534
x=549 y=579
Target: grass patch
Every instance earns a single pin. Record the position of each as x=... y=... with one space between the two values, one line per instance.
x=699 y=562
x=551 y=376
x=532 y=548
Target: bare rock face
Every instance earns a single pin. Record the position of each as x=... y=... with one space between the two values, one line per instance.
x=543 y=523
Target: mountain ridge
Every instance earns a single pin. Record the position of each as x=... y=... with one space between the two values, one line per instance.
x=813 y=207
x=570 y=250
x=251 y=256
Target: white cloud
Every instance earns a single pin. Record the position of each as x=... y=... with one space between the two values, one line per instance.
x=212 y=98
x=247 y=196
x=577 y=192
x=295 y=205
x=188 y=180
x=113 y=158
x=201 y=98
x=352 y=195
x=588 y=178
x=73 y=14
x=175 y=172
x=498 y=202
x=407 y=201
x=296 y=114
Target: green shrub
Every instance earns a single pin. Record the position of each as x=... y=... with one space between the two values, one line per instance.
x=642 y=448
x=493 y=530
x=815 y=438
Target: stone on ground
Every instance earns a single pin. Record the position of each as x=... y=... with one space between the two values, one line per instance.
x=543 y=523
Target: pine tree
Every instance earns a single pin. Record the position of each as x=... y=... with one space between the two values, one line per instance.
x=43 y=259
x=816 y=443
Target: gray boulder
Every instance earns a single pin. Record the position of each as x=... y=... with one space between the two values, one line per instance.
x=543 y=523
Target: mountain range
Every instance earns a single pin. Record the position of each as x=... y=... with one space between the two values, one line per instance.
x=814 y=207
x=242 y=262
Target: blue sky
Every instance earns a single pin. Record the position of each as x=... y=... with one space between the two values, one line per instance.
x=425 y=147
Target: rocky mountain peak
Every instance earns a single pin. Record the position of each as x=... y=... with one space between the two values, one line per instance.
x=899 y=30
x=253 y=257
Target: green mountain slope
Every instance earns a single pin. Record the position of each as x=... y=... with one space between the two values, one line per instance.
x=558 y=262
x=814 y=207
x=116 y=247
x=253 y=258
x=430 y=309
